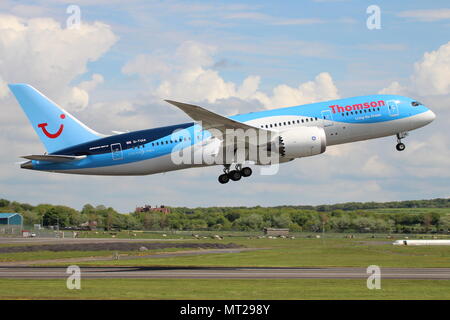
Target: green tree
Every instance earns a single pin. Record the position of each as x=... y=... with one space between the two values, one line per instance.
x=53 y=217
x=281 y=221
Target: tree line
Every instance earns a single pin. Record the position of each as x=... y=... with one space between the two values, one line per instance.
x=346 y=217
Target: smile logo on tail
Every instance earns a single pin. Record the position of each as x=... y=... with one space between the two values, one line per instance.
x=52 y=135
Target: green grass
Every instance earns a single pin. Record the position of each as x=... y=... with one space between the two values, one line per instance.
x=223 y=289
x=51 y=255
x=305 y=253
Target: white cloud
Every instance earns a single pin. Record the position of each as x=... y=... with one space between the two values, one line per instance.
x=4 y=91
x=25 y=10
x=383 y=46
x=429 y=15
x=78 y=96
x=321 y=88
x=145 y=64
x=41 y=52
x=394 y=88
x=190 y=77
x=376 y=167
x=432 y=73
x=262 y=17
x=248 y=88
x=427 y=157
x=196 y=84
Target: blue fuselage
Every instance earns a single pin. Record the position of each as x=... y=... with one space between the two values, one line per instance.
x=148 y=151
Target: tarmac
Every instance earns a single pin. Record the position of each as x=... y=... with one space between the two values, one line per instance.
x=22 y=272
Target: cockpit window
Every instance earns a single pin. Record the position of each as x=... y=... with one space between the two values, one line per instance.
x=415 y=103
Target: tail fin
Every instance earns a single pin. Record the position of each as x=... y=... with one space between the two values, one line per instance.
x=56 y=128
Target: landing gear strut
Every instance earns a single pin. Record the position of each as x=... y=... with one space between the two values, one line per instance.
x=234 y=175
x=401 y=146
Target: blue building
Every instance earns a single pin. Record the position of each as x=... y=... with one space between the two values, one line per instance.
x=14 y=219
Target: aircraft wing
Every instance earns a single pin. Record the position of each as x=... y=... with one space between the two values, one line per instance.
x=211 y=120
x=53 y=157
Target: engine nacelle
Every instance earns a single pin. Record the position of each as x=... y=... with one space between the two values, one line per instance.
x=301 y=142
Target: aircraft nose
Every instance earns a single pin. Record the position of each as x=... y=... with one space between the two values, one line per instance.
x=430 y=116
x=433 y=116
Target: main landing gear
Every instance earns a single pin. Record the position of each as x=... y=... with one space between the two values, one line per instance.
x=234 y=175
x=401 y=146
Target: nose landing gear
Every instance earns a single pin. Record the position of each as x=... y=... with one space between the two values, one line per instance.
x=401 y=146
x=234 y=175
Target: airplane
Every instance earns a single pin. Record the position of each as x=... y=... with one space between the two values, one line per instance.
x=295 y=132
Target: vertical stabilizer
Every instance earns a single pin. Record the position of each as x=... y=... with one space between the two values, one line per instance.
x=56 y=128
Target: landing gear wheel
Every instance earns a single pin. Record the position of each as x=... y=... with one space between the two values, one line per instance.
x=234 y=175
x=400 y=146
x=223 y=178
x=246 y=172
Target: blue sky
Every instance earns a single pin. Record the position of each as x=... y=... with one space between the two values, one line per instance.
x=114 y=72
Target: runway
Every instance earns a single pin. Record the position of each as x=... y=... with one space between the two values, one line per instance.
x=21 y=272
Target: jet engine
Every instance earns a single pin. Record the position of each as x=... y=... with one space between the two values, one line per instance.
x=300 y=142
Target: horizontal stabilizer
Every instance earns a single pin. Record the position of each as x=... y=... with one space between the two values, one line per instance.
x=53 y=158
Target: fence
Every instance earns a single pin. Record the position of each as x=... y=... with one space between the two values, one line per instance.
x=10 y=230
